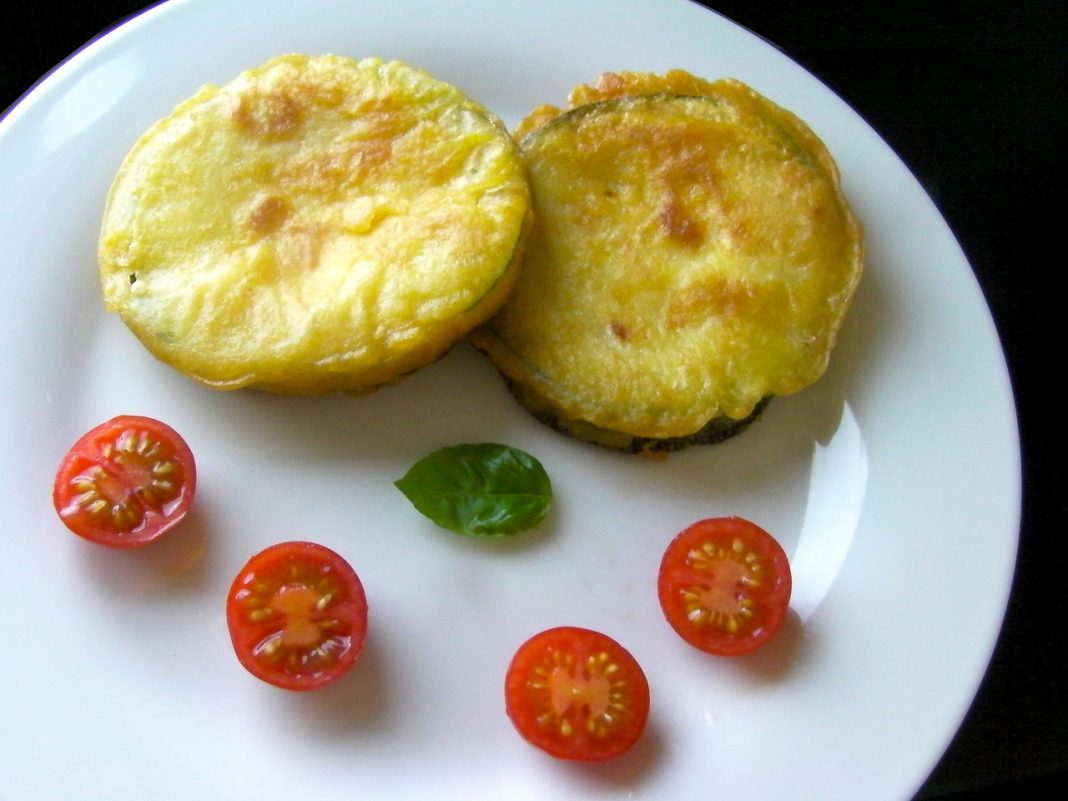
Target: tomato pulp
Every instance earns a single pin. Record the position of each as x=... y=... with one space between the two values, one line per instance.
x=126 y=482
x=297 y=615
x=576 y=694
x=724 y=585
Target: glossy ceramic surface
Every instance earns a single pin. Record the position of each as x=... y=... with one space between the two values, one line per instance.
x=893 y=483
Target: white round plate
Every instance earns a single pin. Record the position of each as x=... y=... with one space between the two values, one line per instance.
x=893 y=483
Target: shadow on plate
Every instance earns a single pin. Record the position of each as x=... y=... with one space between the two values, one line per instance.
x=626 y=772
x=177 y=564
x=355 y=705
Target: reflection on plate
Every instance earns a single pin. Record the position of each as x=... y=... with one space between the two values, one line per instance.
x=901 y=522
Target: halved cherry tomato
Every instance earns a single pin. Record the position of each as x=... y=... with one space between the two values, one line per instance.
x=126 y=482
x=724 y=585
x=297 y=615
x=576 y=694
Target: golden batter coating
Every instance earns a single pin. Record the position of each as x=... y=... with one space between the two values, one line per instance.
x=317 y=224
x=692 y=255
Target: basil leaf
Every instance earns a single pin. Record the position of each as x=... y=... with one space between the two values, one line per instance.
x=481 y=490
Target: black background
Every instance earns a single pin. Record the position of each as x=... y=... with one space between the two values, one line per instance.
x=971 y=95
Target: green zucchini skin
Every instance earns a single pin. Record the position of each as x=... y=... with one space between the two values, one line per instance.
x=716 y=430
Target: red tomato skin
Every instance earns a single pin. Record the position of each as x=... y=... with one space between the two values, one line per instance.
x=86 y=453
x=525 y=704
x=246 y=637
x=771 y=600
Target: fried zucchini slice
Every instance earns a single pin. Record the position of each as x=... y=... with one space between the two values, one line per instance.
x=318 y=224
x=692 y=256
